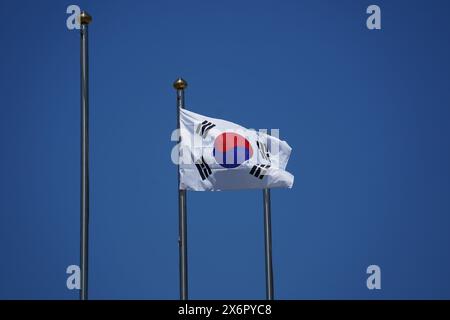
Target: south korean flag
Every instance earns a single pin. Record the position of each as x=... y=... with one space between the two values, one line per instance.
x=216 y=155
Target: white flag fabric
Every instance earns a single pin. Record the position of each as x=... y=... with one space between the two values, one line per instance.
x=217 y=155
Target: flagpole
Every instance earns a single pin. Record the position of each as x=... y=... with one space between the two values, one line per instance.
x=180 y=84
x=85 y=19
x=268 y=244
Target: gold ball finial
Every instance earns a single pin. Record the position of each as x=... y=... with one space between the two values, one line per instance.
x=85 y=18
x=180 y=84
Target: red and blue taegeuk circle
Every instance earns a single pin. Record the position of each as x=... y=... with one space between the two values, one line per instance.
x=231 y=150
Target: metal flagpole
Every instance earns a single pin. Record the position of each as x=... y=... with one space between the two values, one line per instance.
x=85 y=19
x=180 y=84
x=268 y=244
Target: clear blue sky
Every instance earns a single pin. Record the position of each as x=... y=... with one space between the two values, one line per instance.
x=366 y=113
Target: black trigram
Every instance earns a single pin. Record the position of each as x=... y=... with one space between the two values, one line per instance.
x=263 y=150
x=204 y=127
x=259 y=170
x=203 y=168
